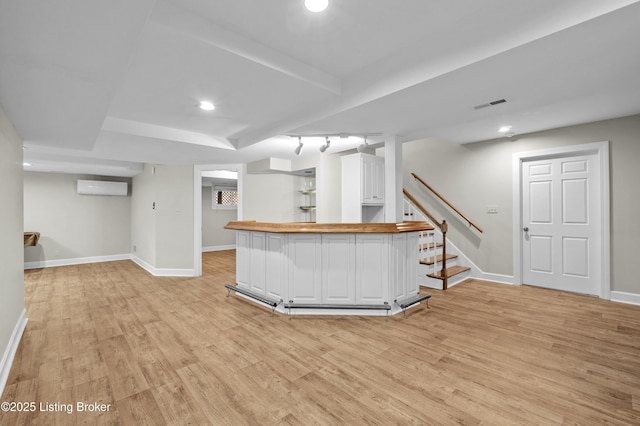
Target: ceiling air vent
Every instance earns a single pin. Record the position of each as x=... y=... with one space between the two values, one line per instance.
x=492 y=103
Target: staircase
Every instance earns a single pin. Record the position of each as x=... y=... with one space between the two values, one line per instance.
x=441 y=264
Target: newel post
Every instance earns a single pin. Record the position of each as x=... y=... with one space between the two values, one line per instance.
x=443 y=272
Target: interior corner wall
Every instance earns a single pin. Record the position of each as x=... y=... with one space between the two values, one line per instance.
x=475 y=176
x=143 y=217
x=162 y=218
x=275 y=197
x=268 y=197
x=329 y=189
x=74 y=226
x=11 y=243
x=174 y=216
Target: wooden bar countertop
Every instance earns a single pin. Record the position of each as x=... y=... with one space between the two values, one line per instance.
x=328 y=228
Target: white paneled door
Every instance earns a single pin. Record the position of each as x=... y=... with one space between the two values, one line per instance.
x=562 y=224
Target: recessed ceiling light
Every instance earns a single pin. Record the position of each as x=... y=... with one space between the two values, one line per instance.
x=316 y=5
x=207 y=106
x=505 y=129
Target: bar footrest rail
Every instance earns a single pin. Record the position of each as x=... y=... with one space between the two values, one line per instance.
x=407 y=303
x=266 y=300
x=293 y=305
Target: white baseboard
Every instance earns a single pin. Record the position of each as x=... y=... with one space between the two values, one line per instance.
x=157 y=272
x=218 y=248
x=454 y=282
x=622 y=297
x=163 y=272
x=12 y=347
x=75 y=261
x=495 y=278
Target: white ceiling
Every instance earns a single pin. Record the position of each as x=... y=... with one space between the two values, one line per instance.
x=102 y=86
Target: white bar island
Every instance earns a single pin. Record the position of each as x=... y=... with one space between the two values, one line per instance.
x=335 y=269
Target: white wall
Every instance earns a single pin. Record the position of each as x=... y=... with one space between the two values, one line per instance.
x=275 y=198
x=74 y=226
x=268 y=197
x=163 y=235
x=329 y=189
x=474 y=176
x=143 y=218
x=213 y=222
x=11 y=244
x=174 y=209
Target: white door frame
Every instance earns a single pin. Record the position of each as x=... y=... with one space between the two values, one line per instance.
x=601 y=150
x=197 y=207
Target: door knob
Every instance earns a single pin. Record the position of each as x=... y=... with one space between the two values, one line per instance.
x=525 y=229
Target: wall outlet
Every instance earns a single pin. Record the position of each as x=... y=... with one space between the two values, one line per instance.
x=492 y=209
x=134 y=248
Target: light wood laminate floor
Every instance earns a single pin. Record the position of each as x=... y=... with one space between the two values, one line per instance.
x=177 y=351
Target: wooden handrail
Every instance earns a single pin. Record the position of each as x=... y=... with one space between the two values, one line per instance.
x=421 y=207
x=444 y=228
x=446 y=202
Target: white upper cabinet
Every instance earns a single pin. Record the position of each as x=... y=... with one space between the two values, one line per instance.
x=362 y=188
x=372 y=180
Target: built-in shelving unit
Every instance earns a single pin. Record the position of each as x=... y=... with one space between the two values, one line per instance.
x=307 y=198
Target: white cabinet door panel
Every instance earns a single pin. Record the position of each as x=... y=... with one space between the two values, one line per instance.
x=411 y=263
x=378 y=179
x=398 y=272
x=338 y=268
x=258 y=262
x=367 y=181
x=372 y=274
x=372 y=179
x=275 y=266
x=305 y=253
x=243 y=264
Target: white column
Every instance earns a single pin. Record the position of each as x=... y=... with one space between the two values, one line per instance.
x=393 y=179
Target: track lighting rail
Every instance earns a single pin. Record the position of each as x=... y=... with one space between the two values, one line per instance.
x=333 y=135
x=362 y=147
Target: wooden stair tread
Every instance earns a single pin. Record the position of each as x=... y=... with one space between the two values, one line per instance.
x=429 y=261
x=452 y=271
x=428 y=246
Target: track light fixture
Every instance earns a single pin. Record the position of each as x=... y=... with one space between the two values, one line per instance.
x=324 y=147
x=298 y=149
x=363 y=146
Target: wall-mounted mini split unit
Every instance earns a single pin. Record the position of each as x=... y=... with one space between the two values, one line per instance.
x=99 y=187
